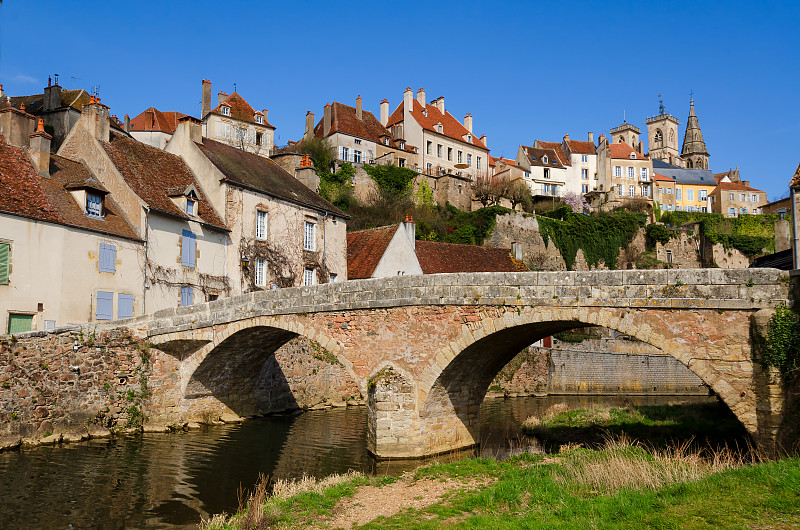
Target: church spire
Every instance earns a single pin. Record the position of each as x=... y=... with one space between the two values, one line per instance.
x=694 y=150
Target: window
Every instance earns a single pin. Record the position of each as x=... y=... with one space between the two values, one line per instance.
x=358 y=142
x=105 y=306
x=527 y=175
x=742 y=197
x=332 y=278
x=669 y=256
x=469 y=138
x=94 y=205
x=469 y=160
x=429 y=167
x=546 y=189
x=619 y=190
x=544 y=159
x=261 y=225
x=547 y=172
x=190 y=203
x=704 y=209
x=584 y=188
x=584 y=158
x=617 y=171
x=18 y=323
x=259 y=118
x=226 y=111
x=212 y=297
x=357 y=157
x=460 y=189
x=669 y=191
x=732 y=212
x=645 y=191
x=477 y=162
x=459 y=157
x=260 y=140
x=643 y=173
x=742 y=210
x=630 y=171
x=188 y=248
x=187 y=296
x=5 y=262
x=754 y=198
x=225 y=130
x=731 y=196
x=678 y=208
x=310 y=237
x=124 y=305
x=678 y=194
x=309 y=277
x=344 y=153
x=631 y=191
x=107 y=258
x=401 y=162
x=439 y=128
x=702 y=195
x=261 y=272
x=402 y=144
x=386 y=141
x=439 y=150
x=585 y=174
x=450 y=153
x=689 y=195
x=429 y=147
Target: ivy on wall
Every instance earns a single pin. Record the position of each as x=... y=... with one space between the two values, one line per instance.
x=600 y=237
x=782 y=346
x=750 y=234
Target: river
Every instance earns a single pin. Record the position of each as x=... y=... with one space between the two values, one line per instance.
x=172 y=480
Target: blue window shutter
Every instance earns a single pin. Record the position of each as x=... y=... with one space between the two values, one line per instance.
x=105 y=305
x=108 y=258
x=124 y=305
x=187 y=296
x=187 y=248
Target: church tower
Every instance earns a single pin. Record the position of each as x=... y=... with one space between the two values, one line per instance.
x=662 y=137
x=694 y=148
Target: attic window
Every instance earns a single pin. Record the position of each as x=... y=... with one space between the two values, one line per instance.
x=402 y=145
x=259 y=118
x=191 y=203
x=439 y=128
x=226 y=111
x=633 y=155
x=94 y=205
x=385 y=141
x=469 y=138
x=425 y=113
x=544 y=159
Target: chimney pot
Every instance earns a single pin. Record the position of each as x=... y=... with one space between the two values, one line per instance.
x=411 y=231
x=358 y=107
x=39 y=151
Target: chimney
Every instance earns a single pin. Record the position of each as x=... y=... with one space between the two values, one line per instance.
x=306 y=174
x=95 y=116
x=483 y=139
x=746 y=183
x=439 y=102
x=410 y=230
x=468 y=122
x=127 y=124
x=39 y=151
x=1 y=94
x=326 y=120
x=52 y=97
x=222 y=96
x=384 y=110
x=591 y=136
x=264 y=112
x=309 y=126
x=408 y=99
x=193 y=127
x=516 y=251
x=358 y=107
x=566 y=137
x=421 y=97
x=206 y=104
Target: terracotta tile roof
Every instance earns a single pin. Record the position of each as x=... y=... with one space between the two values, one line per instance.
x=555 y=146
x=656 y=176
x=535 y=156
x=23 y=192
x=451 y=127
x=240 y=110
x=151 y=172
x=435 y=257
x=264 y=175
x=344 y=120
x=796 y=178
x=155 y=120
x=507 y=162
x=365 y=249
x=735 y=186
x=34 y=103
x=581 y=148
x=623 y=150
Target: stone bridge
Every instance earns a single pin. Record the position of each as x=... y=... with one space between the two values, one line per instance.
x=424 y=349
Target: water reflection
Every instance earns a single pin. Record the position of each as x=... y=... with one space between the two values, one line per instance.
x=171 y=481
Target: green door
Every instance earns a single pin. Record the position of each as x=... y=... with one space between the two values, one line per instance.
x=19 y=323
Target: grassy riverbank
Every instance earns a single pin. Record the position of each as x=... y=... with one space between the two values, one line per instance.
x=619 y=486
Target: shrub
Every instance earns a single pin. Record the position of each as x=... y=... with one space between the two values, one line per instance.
x=657 y=233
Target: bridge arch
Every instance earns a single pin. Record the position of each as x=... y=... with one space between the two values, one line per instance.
x=455 y=382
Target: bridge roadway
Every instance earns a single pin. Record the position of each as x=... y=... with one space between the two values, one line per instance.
x=424 y=349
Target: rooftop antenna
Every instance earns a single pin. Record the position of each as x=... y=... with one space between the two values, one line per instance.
x=56 y=78
x=96 y=90
x=623 y=116
x=234 y=87
x=73 y=78
x=661 y=109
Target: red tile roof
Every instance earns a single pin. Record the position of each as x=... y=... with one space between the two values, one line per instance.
x=152 y=174
x=451 y=127
x=735 y=186
x=555 y=146
x=796 y=178
x=365 y=249
x=23 y=192
x=240 y=110
x=155 y=120
x=435 y=257
x=656 y=176
x=507 y=162
x=623 y=150
x=344 y=120
x=581 y=148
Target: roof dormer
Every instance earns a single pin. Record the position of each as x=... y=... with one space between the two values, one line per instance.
x=185 y=198
x=632 y=156
x=225 y=109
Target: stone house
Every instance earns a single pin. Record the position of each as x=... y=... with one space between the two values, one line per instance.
x=693 y=187
x=733 y=199
x=234 y=122
x=664 y=188
x=67 y=254
x=280 y=230
x=394 y=251
x=580 y=160
x=186 y=240
x=624 y=172
x=154 y=127
x=544 y=170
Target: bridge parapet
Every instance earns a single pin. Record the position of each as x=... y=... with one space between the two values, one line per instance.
x=723 y=289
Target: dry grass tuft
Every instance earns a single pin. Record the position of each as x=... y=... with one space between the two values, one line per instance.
x=626 y=464
x=283 y=489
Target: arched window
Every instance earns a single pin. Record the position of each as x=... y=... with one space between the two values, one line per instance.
x=689 y=164
x=621 y=139
x=671 y=137
x=659 y=138
x=699 y=164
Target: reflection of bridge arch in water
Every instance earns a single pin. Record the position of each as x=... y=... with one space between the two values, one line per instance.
x=425 y=348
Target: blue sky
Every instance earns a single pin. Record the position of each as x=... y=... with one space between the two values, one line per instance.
x=524 y=71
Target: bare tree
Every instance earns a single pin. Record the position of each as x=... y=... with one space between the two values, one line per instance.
x=519 y=193
x=482 y=190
